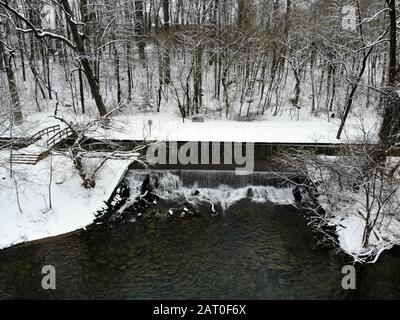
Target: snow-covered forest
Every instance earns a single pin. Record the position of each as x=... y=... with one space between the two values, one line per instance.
x=233 y=59
x=268 y=71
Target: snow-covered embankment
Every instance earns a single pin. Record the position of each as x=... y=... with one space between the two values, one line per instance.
x=71 y=207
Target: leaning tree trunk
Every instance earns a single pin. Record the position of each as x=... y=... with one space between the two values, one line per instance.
x=354 y=87
x=91 y=78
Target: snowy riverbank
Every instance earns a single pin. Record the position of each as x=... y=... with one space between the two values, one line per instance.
x=350 y=228
x=73 y=206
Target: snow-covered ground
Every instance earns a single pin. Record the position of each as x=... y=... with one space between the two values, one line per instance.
x=350 y=226
x=351 y=231
x=73 y=206
x=168 y=126
x=171 y=128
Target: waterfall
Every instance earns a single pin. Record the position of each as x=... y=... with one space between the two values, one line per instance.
x=215 y=187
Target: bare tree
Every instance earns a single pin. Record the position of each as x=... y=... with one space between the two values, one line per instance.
x=7 y=55
x=350 y=184
x=77 y=45
x=390 y=129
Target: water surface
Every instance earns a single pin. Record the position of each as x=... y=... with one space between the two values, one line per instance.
x=252 y=251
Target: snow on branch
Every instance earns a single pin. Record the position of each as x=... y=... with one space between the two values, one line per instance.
x=40 y=34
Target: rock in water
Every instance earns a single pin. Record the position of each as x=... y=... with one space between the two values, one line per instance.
x=297 y=194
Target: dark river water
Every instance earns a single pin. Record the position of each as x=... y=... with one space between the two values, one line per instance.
x=252 y=251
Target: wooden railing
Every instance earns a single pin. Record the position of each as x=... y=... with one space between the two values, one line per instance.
x=20 y=158
x=45 y=131
x=32 y=159
x=59 y=137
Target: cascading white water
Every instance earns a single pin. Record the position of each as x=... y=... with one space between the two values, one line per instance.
x=189 y=186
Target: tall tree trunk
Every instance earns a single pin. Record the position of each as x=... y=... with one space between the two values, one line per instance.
x=22 y=45
x=167 y=42
x=288 y=14
x=129 y=70
x=12 y=85
x=140 y=29
x=82 y=92
x=2 y=63
x=117 y=74
x=244 y=14
x=391 y=117
x=198 y=78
